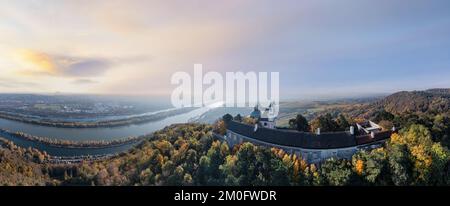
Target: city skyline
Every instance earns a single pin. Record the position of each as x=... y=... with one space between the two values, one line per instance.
x=320 y=48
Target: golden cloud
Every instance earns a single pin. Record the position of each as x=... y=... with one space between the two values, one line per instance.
x=38 y=61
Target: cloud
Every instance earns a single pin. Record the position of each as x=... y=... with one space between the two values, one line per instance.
x=41 y=63
x=303 y=40
x=87 y=67
x=84 y=81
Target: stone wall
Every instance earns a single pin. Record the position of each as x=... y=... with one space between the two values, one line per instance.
x=310 y=155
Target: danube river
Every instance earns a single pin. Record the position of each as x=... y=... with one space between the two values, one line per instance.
x=83 y=134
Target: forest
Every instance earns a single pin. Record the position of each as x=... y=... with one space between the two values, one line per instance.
x=190 y=155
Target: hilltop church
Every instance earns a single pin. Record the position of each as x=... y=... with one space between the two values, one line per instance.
x=313 y=147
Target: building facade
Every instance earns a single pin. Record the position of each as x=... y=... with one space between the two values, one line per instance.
x=309 y=155
x=312 y=147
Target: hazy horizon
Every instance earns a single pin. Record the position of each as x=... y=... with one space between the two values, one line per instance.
x=167 y=97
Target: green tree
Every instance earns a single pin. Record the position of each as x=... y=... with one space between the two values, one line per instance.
x=371 y=166
x=299 y=123
x=382 y=115
x=325 y=123
x=400 y=164
x=177 y=177
x=190 y=161
x=187 y=180
x=336 y=172
x=279 y=174
x=441 y=129
x=229 y=170
x=217 y=157
x=440 y=165
x=238 y=118
x=342 y=122
x=245 y=165
x=227 y=117
x=202 y=176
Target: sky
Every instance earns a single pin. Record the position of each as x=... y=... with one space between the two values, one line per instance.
x=132 y=47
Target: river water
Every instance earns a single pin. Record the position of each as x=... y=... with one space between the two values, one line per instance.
x=83 y=134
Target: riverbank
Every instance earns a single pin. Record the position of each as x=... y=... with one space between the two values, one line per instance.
x=60 y=143
x=96 y=124
x=43 y=157
x=88 y=135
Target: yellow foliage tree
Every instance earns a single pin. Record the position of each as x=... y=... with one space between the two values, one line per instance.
x=220 y=127
x=287 y=160
x=296 y=169
x=397 y=139
x=359 y=167
x=422 y=162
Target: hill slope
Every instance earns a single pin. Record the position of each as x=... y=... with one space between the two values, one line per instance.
x=433 y=100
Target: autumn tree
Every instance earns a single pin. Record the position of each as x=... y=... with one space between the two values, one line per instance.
x=371 y=166
x=220 y=127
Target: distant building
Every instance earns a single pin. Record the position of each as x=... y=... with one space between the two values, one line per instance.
x=313 y=147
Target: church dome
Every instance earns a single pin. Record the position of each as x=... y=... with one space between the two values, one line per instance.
x=256 y=114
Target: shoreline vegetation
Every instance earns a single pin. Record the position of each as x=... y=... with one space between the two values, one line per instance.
x=97 y=124
x=60 y=143
x=42 y=157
